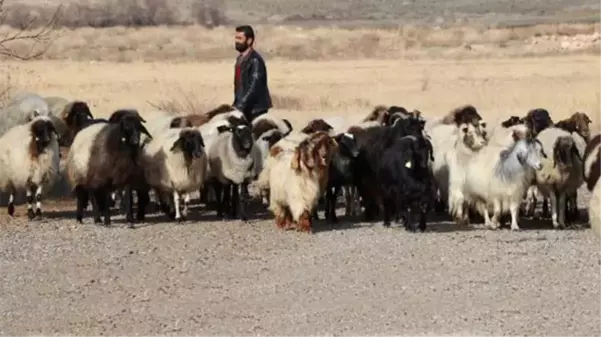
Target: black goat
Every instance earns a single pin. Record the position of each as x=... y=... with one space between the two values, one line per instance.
x=341 y=173
x=372 y=142
x=404 y=181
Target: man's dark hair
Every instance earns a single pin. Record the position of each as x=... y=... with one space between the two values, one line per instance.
x=248 y=31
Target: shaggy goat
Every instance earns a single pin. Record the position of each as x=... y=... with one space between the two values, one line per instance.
x=175 y=162
x=231 y=164
x=453 y=145
x=295 y=180
x=561 y=174
x=29 y=157
x=104 y=156
x=497 y=177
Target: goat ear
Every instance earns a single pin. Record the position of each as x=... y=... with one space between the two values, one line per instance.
x=556 y=154
x=223 y=128
x=201 y=140
x=177 y=145
x=575 y=152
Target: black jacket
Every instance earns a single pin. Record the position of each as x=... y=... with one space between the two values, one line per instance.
x=251 y=95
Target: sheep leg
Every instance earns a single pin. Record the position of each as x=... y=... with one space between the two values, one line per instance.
x=82 y=202
x=235 y=200
x=553 y=198
x=30 y=193
x=106 y=197
x=176 y=200
x=127 y=204
x=186 y=205
x=514 y=208
x=561 y=206
x=143 y=201
x=11 y=202
x=422 y=216
x=530 y=202
x=243 y=200
x=218 y=188
x=95 y=207
x=38 y=202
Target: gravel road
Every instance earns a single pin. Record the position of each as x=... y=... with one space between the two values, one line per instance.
x=212 y=277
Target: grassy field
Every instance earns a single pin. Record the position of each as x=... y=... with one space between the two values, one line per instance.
x=304 y=89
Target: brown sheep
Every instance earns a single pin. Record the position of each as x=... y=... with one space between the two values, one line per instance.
x=462 y=115
x=380 y=113
x=201 y=119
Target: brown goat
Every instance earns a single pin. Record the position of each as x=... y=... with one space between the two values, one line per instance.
x=579 y=123
x=317 y=125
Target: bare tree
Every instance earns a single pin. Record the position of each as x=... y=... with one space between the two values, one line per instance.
x=40 y=38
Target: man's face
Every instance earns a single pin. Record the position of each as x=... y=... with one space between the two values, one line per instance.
x=241 y=42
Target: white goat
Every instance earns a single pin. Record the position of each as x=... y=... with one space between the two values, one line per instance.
x=498 y=176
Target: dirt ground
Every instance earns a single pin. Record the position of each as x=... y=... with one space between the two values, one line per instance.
x=209 y=277
x=212 y=277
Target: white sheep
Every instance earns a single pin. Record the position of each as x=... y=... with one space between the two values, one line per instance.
x=295 y=179
x=175 y=162
x=497 y=176
x=561 y=175
x=22 y=109
x=232 y=155
x=29 y=157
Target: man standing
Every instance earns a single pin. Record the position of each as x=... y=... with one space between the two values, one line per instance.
x=251 y=94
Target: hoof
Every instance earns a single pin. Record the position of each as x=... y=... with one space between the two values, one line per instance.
x=11 y=210
x=97 y=221
x=38 y=213
x=131 y=226
x=515 y=229
x=30 y=214
x=79 y=219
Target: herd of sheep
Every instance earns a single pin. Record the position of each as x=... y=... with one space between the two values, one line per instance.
x=392 y=164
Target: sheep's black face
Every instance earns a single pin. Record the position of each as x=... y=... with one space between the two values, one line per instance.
x=347 y=145
x=409 y=126
x=42 y=131
x=244 y=136
x=78 y=115
x=539 y=120
x=131 y=130
x=192 y=143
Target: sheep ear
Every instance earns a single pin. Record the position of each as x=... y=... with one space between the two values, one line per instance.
x=144 y=131
x=176 y=145
x=223 y=128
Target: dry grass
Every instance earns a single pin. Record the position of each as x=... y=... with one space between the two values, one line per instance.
x=194 y=43
x=303 y=89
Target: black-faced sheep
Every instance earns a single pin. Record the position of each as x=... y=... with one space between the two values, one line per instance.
x=296 y=180
x=232 y=155
x=175 y=163
x=29 y=157
x=104 y=156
